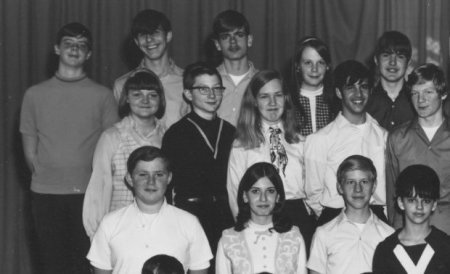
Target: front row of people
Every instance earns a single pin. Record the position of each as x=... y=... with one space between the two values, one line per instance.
x=264 y=240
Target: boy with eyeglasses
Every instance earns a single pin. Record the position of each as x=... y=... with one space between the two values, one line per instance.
x=232 y=39
x=151 y=31
x=198 y=147
x=61 y=120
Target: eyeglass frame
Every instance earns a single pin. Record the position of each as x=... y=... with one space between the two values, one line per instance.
x=208 y=90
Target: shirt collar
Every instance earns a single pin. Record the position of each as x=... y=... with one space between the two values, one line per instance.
x=266 y=127
x=342 y=218
x=341 y=121
x=223 y=71
x=172 y=69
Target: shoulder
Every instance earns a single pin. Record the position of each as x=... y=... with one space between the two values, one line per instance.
x=389 y=242
x=383 y=229
x=121 y=79
x=175 y=129
x=113 y=218
x=181 y=215
x=401 y=131
x=41 y=87
x=438 y=237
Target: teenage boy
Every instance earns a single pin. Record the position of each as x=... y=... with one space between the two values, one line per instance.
x=346 y=244
x=233 y=39
x=390 y=104
x=423 y=140
x=418 y=247
x=61 y=121
x=129 y=236
x=199 y=146
x=152 y=32
x=352 y=132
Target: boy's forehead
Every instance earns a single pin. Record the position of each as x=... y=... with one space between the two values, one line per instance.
x=155 y=164
x=232 y=31
x=78 y=38
x=357 y=174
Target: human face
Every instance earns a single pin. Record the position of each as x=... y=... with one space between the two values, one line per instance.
x=234 y=44
x=143 y=103
x=312 y=68
x=417 y=210
x=205 y=105
x=356 y=188
x=73 y=51
x=427 y=101
x=150 y=181
x=155 y=45
x=354 y=98
x=261 y=197
x=270 y=102
x=392 y=66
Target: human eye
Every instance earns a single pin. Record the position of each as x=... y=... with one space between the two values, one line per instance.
x=410 y=200
x=263 y=96
x=240 y=34
x=364 y=86
x=307 y=62
x=160 y=174
x=272 y=191
x=414 y=93
x=224 y=36
x=385 y=55
x=350 y=182
x=427 y=201
x=254 y=191
x=279 y=95
x=153 y=94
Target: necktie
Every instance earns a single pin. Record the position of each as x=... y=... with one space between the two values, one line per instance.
x=278 y=155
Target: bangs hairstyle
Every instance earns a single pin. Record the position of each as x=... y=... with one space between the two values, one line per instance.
x=393 y=42
x=192 y=71
x=251 y=176
x=146 y=154
x=162 y=264
x=148 y=21
x=428 y=73
x=142 y=79
x=297 y=76
x=356 y=162
x=230 y=20
x=248 y=129
x=349 y=73
x=74 y=29
x=418 y=180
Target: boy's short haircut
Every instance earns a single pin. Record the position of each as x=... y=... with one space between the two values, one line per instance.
x=162 y=264
x=356 y=162
x=418 y=180
x=230 y=20
x=146 y=154
x=350 y=72
x=74 y=29
x=194 y=70
x=394 y=42
x=148 y=21
x=428 y=72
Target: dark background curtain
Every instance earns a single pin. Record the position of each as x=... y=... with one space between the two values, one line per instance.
x=28 y=28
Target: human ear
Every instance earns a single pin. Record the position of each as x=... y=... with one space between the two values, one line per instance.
x=249 y=40
x=338 y=93
x=434 y=206
x=244 y=197
x=216 y=43
x=400 y=203
x=129 y=179
x=188 y=95
x=57 y=50
x=169 y=36
x=339 y=188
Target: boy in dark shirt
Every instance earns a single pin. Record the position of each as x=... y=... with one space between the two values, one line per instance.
x=418 y=247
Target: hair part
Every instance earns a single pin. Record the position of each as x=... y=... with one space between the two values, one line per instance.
x=162 y=264
x=394 y=42
x=248 y=129
x=192 y=71
x=418 y=180
x=142 y=79
x=230 y=20
x=428 y=73
x=148 y=21
x=74 y=29
x=146 y=154
x=356 y=162
x=255 y=172
x=349 y=73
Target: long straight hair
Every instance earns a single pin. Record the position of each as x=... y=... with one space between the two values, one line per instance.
x=249 y=134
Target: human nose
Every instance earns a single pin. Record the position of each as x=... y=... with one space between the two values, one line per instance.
x=358 y=187
x=211 y=93
x=315 y=67
x=419 y=204
x=272 y=100
x=263 y=196
x=392 y=59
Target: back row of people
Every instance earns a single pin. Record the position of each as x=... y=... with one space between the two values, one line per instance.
x=268 y=129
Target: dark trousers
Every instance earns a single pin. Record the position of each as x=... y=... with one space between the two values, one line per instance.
x=329 y=213
x=62 y=241
x=296 y=211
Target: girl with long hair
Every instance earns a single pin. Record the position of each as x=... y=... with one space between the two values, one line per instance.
x=263 y=238
x=266 y=132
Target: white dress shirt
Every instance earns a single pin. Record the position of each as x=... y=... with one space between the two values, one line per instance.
x=241 y=159
x=327 y=148
x=126 y=238
x=340 y=247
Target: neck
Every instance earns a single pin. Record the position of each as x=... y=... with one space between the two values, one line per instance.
x=392 y=88
x=261 y=220
x=149 y=209
x=414 y=233
x=432 y=121
x=70 y=72
x=358 y=215
x=146 y=124
x=237 y=67
x=205 y=115
x=356 y=119
x=311 y=88
x=159 y=66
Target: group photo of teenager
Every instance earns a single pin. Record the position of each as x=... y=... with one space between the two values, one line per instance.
x=225 y=137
